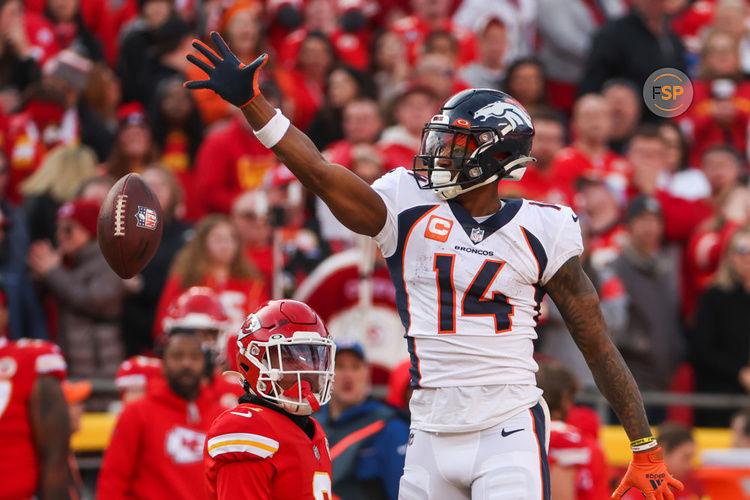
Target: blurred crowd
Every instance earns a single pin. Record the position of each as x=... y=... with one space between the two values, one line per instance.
x=91 y=90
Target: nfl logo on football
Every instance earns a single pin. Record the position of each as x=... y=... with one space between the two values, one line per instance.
x=146 y=218
x=477 y=234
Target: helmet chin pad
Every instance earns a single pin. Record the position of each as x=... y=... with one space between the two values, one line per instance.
x=305 y=389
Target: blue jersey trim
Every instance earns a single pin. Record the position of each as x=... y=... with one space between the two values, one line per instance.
x=541 y=434
x=509 y=210
x=538 y=250
x=406 y=221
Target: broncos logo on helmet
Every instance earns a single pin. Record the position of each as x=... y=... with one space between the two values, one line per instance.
x=515 y=115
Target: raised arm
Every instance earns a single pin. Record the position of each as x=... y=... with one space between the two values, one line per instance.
x=352 y=201
x=578 y=302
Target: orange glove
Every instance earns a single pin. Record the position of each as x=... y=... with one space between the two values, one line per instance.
x=648 y=473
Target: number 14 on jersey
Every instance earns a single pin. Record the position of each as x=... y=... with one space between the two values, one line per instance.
x=473 y=302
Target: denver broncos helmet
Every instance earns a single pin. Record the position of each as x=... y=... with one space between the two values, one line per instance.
x=479 y=136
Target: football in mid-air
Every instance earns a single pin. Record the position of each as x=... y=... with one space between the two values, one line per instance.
x=129 y=226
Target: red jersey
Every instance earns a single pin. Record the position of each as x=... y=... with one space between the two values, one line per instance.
x=254 y=452
x=230 y=160
x=156 y=449
x=569 y=447
x=572 y=163
x=21 y=363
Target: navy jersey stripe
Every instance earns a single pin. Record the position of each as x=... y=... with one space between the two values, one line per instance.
x=406 y=221
x=541 y=436
x=537 y=249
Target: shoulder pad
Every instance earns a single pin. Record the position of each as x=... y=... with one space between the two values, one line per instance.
x=242 y=433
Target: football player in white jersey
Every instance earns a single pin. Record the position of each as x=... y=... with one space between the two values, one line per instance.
x=470 y=270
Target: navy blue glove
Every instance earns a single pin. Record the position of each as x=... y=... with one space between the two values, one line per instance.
x=228 y=77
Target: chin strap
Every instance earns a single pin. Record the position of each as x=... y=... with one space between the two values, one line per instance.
x=512 y=171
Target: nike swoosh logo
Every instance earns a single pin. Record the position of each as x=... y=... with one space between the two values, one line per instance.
x=575 y=218
x=505 y=434
x=246 y=415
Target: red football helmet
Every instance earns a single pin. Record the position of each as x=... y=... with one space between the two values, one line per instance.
x=198 y=307
x=286 y=356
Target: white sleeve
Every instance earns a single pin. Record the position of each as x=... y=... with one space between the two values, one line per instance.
x=566 y=243
x=388 y=188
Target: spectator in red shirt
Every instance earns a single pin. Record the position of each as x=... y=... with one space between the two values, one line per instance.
x=731 y=203
x=578 y=470
x=720 y=113
x=647 y=156
x=431 y=15
x=42 y=125
x=231 y=160
x=412 y=109
x=589 y=155
x=70 y=30
x=156 y=449
x=18 y=66
x=315 y=58
x=214 y=258
x=539 y=182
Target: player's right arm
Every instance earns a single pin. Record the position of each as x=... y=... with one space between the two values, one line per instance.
x=352 y=201
x=50 y=424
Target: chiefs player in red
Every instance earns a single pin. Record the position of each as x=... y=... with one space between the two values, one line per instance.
x=199 y=310
x=34 y=422
x=268 y=446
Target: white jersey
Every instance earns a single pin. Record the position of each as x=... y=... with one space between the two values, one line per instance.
x=469 y=294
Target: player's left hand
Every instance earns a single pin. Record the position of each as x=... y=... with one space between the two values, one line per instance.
x=227 y=76
x=648 y=473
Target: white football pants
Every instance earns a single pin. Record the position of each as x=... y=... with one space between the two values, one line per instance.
x=504 y=462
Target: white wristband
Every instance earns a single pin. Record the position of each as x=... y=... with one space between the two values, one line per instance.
x=274 y=130
x=644 y=447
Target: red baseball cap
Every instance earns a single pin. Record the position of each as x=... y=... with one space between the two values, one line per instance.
x=84 y=212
